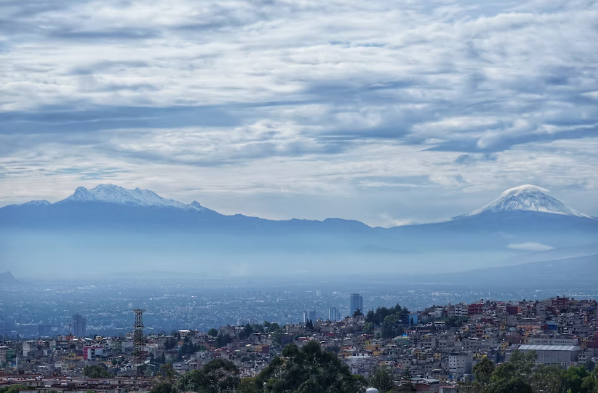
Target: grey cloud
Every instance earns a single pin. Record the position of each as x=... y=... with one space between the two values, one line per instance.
x=468 y=77
x=471 y=159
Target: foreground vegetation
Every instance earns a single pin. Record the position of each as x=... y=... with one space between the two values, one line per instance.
x=314 y=370
x=522 y=375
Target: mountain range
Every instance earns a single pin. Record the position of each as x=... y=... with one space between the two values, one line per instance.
x=111 y=228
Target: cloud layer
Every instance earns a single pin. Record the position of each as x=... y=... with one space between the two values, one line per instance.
x=339 y=99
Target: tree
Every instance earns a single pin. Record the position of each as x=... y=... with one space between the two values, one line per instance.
x=247 y=385
x=222 y=340
x=96 y=372
x=574 y=377
x=512 y=377
x=213 y=332
x=368 y=327
x=308 y=370
x=483 y=373
x=406 y=385
x=163 y=387
x=13 y=388
x=216 y=376
x=357 y=313
x=590 y=382
x=382 y=380
x=548 y=379
x=167 y=372
x=514 y=385
x=524 y=362
x=170 y=343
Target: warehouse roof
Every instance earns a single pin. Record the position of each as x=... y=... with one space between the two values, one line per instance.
x=549 y=348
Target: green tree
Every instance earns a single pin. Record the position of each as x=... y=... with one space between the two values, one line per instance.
x=96 y=372
x=382 y=379
x=574 y=377
x=357 y=313
x=406 y=385
x=514 y=385
x=216 y=376
x=483 y=373
x=548 y=379
x=309 y=369
x=13 y=388
x=163 y=387
x=223 y=339
x=590 y=382
x=167 y=372
x=512 y=377
x=524 y=362
x=213 y=332
x=247 y=385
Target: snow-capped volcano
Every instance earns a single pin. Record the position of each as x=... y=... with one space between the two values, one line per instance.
x=528 y=198
x=109 y=193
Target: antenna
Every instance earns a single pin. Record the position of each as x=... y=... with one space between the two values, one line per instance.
x=138 y=341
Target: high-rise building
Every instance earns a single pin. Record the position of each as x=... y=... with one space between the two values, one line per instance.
x=356 y=303
x=334 y=314
x=309 y=316
x=78 y=326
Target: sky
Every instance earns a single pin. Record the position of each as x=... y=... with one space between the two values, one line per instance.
x=388 y=112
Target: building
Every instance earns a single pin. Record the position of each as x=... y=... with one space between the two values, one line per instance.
x=356 y=303
x=91 y=351
x=29 y=346
x=309 y=316
x=460 y=363
x=553 y=354
x=334 y=314
x=78 y=326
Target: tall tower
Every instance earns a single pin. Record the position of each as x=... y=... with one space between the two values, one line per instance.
x=138 y=341
x=356 y=303
x=78 y=326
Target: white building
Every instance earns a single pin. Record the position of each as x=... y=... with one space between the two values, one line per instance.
x=553 y=354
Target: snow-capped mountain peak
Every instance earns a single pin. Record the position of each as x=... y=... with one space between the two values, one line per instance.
x=109 y=193
x=528 y=198
x=41 y=202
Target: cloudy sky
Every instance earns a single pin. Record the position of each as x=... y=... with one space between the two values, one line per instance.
x=389 y=112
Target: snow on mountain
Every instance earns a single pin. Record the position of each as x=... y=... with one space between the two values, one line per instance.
x=36 y=203
x=528 y=198
x=109 y=193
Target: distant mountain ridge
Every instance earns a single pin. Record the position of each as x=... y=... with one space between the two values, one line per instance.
x=109 y=193
x=7 y=278
x=118 y=228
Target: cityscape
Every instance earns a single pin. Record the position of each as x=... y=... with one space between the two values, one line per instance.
x=431 y=350
x=298 y=196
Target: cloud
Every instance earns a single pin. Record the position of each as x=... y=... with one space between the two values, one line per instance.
x=530 y=246
x=471 y=159
x=336 y=97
